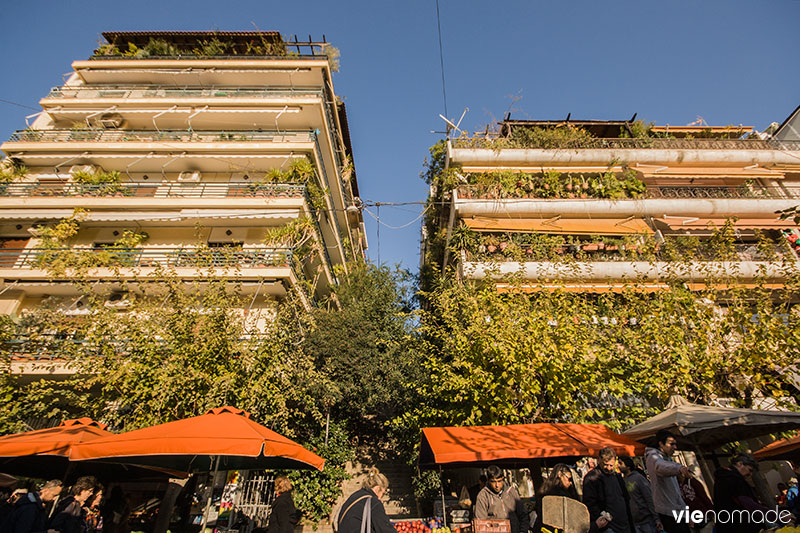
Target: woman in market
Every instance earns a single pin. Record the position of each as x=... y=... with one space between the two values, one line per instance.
x=558 y=483
x=365 y=507
x=284 y=515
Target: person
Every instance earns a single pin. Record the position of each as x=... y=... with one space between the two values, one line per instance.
x=29 y=513
x=70 y=514
x=645 y=518
x=115 y=512
x=94 y=518
x=475 y=489
x=354 y=509
x=284 y=515
x=498 y=501
x=694 y=494
x=783 y=492
x=732 y=492
x=558 y=483
x=663 y=473
x=604 y=494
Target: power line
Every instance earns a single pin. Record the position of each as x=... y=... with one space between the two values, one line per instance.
x=19 y=105
x=441 y=57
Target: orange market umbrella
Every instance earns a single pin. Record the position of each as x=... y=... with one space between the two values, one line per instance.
x=782 y=449
x=224 y=438
x=518 y=443
x=45 y=453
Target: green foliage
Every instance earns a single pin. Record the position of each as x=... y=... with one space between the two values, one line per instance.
x=553 y=184
x=366 y=348
x=316 y=492
x=207 y=48
x=333 y=55
x=559 y=137
x=299 y=171
x=99 y=182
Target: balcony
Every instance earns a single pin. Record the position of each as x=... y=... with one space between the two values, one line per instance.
x=746 y=191
x=183 y=256
x=137 y=92
x=156 y=190
x=629 y=144
x=154 y=136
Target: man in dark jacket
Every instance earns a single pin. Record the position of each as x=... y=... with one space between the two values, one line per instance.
x=645 y=519
x=29 y=514
x=733 y=495
x=70 y=515
x=604 y=493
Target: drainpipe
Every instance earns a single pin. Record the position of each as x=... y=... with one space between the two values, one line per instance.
x=451 y=219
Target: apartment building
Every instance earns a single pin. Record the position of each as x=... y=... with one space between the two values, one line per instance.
x=590 y=206
x=185 y=151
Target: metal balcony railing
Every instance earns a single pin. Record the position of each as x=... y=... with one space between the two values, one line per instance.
x=595 y=252
x=660 y=191
x=132 y=91
x=108 y=136
x=636 y=143
x=152 y=256
x=157 y=190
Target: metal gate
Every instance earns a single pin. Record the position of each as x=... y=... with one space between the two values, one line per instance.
x=254 y=499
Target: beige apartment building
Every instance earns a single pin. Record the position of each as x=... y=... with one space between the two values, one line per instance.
x=589 y=206
x=198 y=143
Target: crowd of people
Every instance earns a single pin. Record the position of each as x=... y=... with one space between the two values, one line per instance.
x=53 y=508
x=621 y=497
x=665 y=496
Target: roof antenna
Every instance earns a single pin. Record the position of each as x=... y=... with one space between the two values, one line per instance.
x=451 y=126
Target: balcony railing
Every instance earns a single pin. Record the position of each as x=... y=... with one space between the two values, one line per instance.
x=122 y=91
x=591 y=252
x=108 y=136
x=157 y=190
x=653 y=191
x=635 y=143
x=178 y=257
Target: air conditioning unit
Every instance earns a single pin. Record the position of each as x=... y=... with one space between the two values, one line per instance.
x=111 y=121
x=89 y=169
x=117 y=300
x=189 y=176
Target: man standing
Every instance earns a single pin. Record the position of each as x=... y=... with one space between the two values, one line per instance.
x=29 y=514
x=645 y=519
x=663 y=474
x=604 y=493
x=496 y=501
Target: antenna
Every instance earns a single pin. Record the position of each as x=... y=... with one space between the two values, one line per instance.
x=451 y=126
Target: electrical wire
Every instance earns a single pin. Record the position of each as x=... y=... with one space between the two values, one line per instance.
x=382 y=223
x=441 y=56
x=19 y=105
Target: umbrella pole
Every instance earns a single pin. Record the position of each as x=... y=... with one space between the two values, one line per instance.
x=441 y=488
x=210 y=496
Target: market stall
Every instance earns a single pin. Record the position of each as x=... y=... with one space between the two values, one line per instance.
x=529 y=446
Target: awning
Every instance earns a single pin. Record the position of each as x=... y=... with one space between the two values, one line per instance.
x=572 y=226
x=679 y=223
x=595 y=288
x=518 y=443
x=753 y=172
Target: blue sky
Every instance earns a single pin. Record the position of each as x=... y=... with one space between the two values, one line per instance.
x=727 y=61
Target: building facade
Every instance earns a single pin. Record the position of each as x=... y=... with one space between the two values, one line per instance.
x=593 y=206
x=204 y=153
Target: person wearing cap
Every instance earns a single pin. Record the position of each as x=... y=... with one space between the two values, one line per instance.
x=732 y=492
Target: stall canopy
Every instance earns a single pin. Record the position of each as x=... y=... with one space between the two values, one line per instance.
x=782 y=449
x=224 y=438
x=709 y=427
x=46 y=453
x=520 y=443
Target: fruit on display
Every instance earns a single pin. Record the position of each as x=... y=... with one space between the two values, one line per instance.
x=429 y=525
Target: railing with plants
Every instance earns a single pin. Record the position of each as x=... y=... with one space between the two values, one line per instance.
x=536 y=247
x=157 y=190
x=93 y=135
x=152 y=256
x=579 y=139
x=213 y=47
x=133 y=91
x=552 y=184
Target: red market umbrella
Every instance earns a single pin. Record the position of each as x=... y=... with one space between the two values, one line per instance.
x=224 y=438
x=518 y=443
x=45 y=453
x=788 y=449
